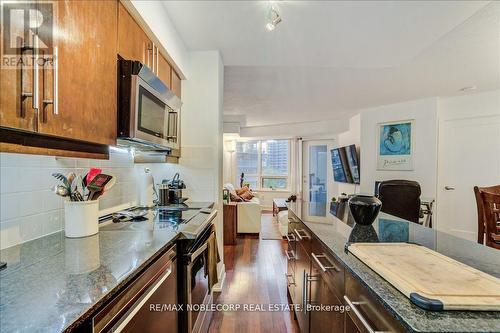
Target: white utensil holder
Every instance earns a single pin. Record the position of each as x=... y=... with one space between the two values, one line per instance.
x=81 y=218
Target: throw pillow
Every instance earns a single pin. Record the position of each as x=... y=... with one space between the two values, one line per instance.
x=242 y=190
x=234 y=197
x=247 y=196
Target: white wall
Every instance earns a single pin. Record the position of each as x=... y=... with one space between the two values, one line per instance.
x=201 y=130
x=424 y=112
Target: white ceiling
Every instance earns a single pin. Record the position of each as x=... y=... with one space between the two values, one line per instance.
x=328 y=59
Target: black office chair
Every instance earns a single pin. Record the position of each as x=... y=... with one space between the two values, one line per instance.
x=400 y=198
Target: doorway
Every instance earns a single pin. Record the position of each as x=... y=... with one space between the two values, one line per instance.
x=317 y=177
x=469 y=155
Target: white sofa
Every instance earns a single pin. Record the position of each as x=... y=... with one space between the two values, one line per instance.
x=248 y=214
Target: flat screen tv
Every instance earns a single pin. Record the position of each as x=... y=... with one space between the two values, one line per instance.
x=345 y=165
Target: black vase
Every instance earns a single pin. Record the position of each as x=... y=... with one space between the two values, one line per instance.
x=364 y=208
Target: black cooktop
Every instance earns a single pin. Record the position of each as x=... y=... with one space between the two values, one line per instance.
x=168 y=215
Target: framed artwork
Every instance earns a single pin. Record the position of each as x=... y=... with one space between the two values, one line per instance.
x=395 y=145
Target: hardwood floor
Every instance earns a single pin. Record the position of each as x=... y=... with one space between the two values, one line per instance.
x=255 y=274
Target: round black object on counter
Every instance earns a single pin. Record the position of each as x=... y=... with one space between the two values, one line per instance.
x=364 y=208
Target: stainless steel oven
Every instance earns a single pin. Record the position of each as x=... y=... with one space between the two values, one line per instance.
x=148 y=112
x=193 y=282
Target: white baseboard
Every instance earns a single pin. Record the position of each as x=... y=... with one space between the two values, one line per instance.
x=222 y=278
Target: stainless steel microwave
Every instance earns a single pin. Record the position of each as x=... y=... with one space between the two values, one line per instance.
x=148 y=112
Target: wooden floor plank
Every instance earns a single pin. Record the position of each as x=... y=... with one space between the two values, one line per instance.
x=255 y=271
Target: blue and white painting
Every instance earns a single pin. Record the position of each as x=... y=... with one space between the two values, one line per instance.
x=395 y=145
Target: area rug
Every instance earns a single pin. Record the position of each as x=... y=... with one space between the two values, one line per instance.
x=269 y=228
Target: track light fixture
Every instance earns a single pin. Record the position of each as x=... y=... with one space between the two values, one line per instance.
x=273 y=18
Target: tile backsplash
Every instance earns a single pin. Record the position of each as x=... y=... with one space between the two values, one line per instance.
x=29 y=209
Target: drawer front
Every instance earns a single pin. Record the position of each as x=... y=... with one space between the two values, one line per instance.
x=366 y=312
x=122 y=303
x=330 y=269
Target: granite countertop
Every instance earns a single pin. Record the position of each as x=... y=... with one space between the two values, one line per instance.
x=53 y=283
x=334 y=233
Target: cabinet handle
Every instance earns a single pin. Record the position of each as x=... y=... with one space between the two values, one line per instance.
x=153 y=56
x=124 y=322
x=35 y=73
x=353 y=306
x=291 y=238
x=290 y=256
x=157 y=62
x=23 y=93
x=304 y=291
x=324 y=268
x=301 y=237
x=55 y=83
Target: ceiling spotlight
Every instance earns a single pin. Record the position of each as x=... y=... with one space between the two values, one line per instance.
x=273 y=18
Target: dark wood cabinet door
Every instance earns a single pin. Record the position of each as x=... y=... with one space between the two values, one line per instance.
x=164 y=71
x=86 y=72
x=133 y=43
x=176 y=84
x=350 y=327
x=17 y=109
x=323 y=320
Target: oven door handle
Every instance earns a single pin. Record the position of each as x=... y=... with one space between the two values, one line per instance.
x=192 y=256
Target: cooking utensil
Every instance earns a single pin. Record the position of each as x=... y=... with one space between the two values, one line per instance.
x=91 y=174
x=127 y=215
x=110 y=184
x=97 y=185
x=60 y=190
x=61 y=177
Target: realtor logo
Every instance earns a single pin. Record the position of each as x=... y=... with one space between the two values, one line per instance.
x=27 y=26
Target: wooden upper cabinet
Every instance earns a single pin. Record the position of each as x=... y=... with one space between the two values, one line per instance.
x=86 y=72
x=176 y=84
x=133 y=43
x=17 y=109
x=164 y=70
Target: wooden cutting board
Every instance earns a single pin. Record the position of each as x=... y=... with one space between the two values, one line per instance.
x=429 y=279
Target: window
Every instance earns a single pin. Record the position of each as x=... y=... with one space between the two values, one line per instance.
x=266 y=163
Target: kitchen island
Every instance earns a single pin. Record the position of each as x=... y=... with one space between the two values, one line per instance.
x=397 y=312
x=56 y=284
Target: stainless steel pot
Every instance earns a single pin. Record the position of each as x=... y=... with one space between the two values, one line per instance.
x=168 y=196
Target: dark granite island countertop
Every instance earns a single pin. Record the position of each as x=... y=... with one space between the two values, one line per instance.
x=53 y=283
x=334 y=234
